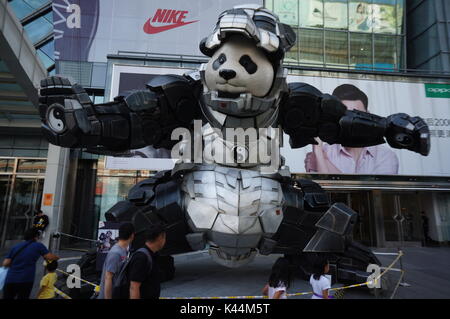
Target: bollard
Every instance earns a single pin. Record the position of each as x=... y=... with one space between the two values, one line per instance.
x=54 y=243
x=403 y=283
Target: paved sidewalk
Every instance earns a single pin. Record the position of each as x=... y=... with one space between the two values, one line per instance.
x=427 y=271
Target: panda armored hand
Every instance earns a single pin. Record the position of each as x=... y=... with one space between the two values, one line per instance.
x=235 y=208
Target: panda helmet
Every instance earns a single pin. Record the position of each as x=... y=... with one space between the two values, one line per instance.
x=261 y=29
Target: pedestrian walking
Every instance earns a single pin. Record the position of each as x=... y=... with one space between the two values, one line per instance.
x=40 y=222
x=47 y=284
x=319 y=281
x=21 y=262
x=143 y=272
x=279 y=280
x=115 y=258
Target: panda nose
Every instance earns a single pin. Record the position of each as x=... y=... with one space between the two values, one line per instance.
x=227 y=74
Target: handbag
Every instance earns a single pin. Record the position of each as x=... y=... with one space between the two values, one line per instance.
x=4 y=270
x=3 y=273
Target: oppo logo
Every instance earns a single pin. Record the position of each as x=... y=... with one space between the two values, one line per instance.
x=440 y=90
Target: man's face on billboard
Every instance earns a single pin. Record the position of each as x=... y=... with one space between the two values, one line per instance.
x=354 y=105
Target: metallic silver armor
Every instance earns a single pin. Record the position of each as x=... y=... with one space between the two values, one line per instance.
x=235 y=208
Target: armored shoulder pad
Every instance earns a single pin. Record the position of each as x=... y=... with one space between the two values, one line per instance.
x=180 y=94
x=164 y=82
x=314 y=195
x=297 y=88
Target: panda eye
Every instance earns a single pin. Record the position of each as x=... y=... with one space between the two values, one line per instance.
x=219 y=61
x=248 y=64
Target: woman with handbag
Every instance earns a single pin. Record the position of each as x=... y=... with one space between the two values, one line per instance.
x=21 y=263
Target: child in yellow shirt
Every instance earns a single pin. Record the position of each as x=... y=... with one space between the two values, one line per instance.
x=47 y=285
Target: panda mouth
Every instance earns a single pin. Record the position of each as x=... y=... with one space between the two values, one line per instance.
x=228 y=95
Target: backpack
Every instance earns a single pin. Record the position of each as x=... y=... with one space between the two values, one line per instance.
x=121 y=283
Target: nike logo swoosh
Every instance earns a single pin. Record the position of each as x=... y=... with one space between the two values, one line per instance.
x=150 y=29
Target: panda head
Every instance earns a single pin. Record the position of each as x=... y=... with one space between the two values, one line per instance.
x=239 y=66
x=246 y=49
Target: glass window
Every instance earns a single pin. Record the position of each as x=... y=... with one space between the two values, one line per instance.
x=360 y=16
x=336 y=14
x=292 y=56
x=400 y=13
x=311 y=13
x=384 y=16
x=45 y=59
x=386 y=54
x=23 y=8
x=36 y=3
x=311 y=46
x=31 y=166
x=38 y=29
x=20 y=8
x=336 y=48
x=110 y=190
x=287 y=11
x=6 y=165
x=49 y=49
x=46 y=54
x=361 y=51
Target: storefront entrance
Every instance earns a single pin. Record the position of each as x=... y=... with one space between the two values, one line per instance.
x=402 y=220
x=20 y=196
x=360 y=202
x=391 y=220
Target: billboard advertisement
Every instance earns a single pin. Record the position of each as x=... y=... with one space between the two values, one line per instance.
x=379 y=16
x=89 y=30
x=382 y=97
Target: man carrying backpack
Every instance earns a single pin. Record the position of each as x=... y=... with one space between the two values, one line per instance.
x=139 y=278
x=116 y=257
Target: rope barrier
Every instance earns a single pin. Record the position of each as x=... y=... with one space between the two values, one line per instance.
x=59 y=292
x=385 y=254
x=399 y=255
x=96 y=287
x=72 y=236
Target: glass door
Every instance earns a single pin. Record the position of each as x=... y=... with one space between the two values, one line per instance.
x=364 y=229
x=25 y=199
x=5 y=185
x=360 y=202
x=402 y=220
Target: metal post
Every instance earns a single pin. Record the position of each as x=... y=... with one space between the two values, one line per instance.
x=54 y=243
x=403 y=283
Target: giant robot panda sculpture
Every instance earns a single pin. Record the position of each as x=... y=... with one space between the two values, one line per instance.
x=240 y=207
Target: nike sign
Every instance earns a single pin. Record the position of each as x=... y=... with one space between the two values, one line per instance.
x=174 y=17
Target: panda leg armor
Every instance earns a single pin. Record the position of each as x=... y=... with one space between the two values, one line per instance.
x=155 y=200
x=312 y=226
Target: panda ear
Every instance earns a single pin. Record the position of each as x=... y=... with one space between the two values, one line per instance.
x=203 y=49
x=288 y=36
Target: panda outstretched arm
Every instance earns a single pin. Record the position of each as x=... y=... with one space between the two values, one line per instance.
x=307 y=113
x=134 y=120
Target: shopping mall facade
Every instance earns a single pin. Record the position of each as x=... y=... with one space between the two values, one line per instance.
x=397 y=52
